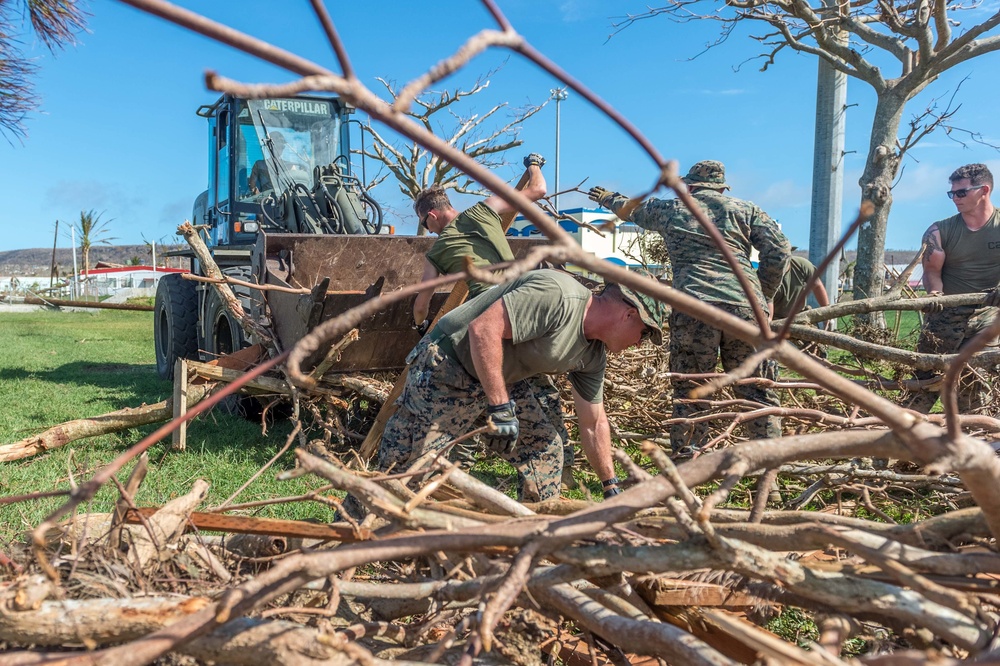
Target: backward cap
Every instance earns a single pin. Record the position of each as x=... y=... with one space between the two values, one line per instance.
x=651 y=311
x=707 y=173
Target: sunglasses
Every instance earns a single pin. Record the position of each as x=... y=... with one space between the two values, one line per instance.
x=961 y=194
x=422 y=221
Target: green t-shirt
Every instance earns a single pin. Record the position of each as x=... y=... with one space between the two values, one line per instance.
x=971 y=258
x=798 y=273
x=546 y=310
x=476 y=233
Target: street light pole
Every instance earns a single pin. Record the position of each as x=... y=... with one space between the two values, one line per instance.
x=559 y=95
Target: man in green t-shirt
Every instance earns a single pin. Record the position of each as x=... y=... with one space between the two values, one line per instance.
x=800 y=270
x=477 y=233
x=482 y=356
x=961 y=256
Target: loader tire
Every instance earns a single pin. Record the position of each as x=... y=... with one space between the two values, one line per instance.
x=224 y=335
x=175 y=323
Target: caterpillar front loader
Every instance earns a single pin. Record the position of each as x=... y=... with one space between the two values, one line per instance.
x=283 y=208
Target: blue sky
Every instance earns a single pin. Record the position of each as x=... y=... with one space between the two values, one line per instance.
x=117 y=130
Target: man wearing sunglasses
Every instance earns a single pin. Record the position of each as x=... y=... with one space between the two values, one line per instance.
x=477 y=232
x=961 y=256
x=483 y=356
x=700 y=270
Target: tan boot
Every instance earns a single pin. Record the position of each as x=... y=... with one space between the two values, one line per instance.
x=568 y=482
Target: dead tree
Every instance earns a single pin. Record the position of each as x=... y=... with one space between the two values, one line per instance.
x=415 y=168
x=857 y=39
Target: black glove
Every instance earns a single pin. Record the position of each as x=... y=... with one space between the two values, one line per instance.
x=992 y=299
x=933 y=308
x=534 y=158
x=504 y=420
x=601 y=195
x=422 y=327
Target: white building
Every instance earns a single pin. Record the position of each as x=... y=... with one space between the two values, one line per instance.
x=105 y=281
x=600 y=232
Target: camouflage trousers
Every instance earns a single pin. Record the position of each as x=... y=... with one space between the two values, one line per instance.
x=466 y=452
x=947 y=332
x=696 y=347
x=441 y=401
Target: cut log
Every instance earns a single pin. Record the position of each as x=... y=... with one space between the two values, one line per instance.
x=123 y=419
x=95 y=620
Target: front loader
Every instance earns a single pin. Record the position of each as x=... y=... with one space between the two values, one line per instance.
x=283 y=208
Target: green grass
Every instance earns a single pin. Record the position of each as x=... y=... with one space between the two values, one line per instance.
x=905 y=324
x=58 y=366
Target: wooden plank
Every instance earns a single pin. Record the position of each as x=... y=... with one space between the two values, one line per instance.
x=679 y=592
x=218 y=522
x=768 y=646
x=456 y=298
x=179 y=439
x=262 y=385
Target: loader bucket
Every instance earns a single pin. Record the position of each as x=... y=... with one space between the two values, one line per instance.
x=359 y=267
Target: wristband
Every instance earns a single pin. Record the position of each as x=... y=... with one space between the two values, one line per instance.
x=611 y=492
x=613 y=481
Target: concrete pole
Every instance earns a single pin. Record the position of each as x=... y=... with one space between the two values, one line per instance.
x=828 y=172
x=559 y=95
x=52 y=266
x=76 y=288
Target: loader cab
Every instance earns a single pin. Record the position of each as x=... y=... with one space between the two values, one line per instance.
x=260 y=150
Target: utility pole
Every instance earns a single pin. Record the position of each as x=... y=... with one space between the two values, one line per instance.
x=559 y=95
x=76 y=289
x=52 y=266
x=828 y=171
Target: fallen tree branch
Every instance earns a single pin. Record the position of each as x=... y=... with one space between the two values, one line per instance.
x=123 y=419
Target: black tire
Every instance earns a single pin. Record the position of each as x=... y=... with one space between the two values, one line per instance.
x=224 y=335
x=175 y=323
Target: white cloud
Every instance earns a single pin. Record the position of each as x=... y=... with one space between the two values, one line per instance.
x=573 y=11
x=784 y=194
x=921 y=182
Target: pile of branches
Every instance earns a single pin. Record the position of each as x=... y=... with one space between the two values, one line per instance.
x=451 y=569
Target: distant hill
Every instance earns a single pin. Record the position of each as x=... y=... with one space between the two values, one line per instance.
x=36 y=261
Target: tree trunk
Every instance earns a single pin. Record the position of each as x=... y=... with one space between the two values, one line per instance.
x=876 y=186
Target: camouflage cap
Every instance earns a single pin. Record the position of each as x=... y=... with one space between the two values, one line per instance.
x=707 y=173
x=651 y=311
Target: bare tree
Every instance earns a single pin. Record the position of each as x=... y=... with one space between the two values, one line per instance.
x=416 y=168
x=853 y=37
x=55 y=23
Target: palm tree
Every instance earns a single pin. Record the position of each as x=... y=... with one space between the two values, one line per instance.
x=55 y=23
x=91 y=230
